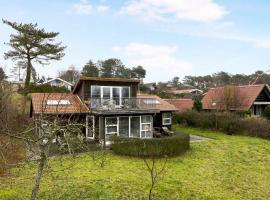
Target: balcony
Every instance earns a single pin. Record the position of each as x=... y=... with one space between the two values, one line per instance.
x=123 y=104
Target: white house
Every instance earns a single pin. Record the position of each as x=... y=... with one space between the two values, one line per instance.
x=59 y=83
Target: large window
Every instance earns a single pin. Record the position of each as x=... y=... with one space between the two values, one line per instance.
x=90 y=127
x=104 y=93
x=129 y=126
x=135 y=126
x=146 y=126
x=111 y=125
x=166 y=118
x=124 y=126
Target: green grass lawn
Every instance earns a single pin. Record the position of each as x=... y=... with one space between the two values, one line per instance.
x=225 y=167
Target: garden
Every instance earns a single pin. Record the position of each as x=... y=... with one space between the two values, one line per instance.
x=223 y=167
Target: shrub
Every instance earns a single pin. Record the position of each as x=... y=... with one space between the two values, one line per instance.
x=266 y=112
x=154 y=147
x=11 y=153
x=230 y=123
x=44 y=88
x=197 y=104
x=256 y=127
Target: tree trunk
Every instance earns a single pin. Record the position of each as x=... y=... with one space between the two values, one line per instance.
x=28 y=73
x=26 y=84
x=41 y=165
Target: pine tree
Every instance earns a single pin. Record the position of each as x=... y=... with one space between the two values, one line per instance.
x=32 y=44
x=90 y=69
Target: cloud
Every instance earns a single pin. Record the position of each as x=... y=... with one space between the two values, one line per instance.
x=159 y=60
x=85 y=8
x=82 y=8
x=102 y=8
x=162 y=10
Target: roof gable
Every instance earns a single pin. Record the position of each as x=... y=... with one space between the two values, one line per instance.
x=57 y=79
x=232 y=97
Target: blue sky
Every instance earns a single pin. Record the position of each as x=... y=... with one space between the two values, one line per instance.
x=169 y=38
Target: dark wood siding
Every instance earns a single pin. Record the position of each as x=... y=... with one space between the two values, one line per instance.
x=157 y=120
x=264 y=96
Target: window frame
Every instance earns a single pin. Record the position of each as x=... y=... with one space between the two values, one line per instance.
x=87 y=126
x=111 y=92
x=150 y=123
x=166 y=118
x=112 y=125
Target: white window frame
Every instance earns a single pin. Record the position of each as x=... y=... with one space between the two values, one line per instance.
x=60 y=102
x=129 y=131
x=166 y=118
x=117 y=126
x=146 y=123
x=87 y=126
x=111 y=91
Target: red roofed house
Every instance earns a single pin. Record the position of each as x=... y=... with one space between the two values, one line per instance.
x=252 y=98
x=181 y=104
x=108 y=106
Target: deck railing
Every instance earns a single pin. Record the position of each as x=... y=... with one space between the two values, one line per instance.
x=122 y=103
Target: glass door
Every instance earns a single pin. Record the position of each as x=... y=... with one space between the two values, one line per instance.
x=116 y=95
x=90 y=127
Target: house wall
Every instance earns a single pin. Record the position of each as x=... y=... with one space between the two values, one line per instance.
x=263 y=96
x=158 y=121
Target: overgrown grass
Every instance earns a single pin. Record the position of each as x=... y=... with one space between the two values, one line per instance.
x=226 y=167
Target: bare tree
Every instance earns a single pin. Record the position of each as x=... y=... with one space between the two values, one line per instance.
x=71 y=75
x=156 y=168
x=40 y=135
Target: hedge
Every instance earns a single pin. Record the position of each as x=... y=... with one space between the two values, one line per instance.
x=152 y=147
x=227 y=122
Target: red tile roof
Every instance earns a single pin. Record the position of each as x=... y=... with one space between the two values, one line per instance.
x=162 y=106
x=242 y=97
x=40 y=105
x=181 y=104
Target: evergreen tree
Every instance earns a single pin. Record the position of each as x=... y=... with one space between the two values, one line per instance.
x=138 y=72
x=90 y=69
x=110 y=68
x=197 y=104
x=32 y=44
x=2 y=74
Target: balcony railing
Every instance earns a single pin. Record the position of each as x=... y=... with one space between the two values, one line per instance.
x=122 y=103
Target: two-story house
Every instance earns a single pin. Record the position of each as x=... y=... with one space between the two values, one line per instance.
x=108 y=106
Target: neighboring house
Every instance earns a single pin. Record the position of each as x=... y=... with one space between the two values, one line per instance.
x=151 y=86
x=181 y=104
x=187 y=91
x=59 y=83
x=252 y=98
x=108 y=106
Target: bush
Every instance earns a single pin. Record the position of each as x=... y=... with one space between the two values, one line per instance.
x=256 y=127
x=154 y=147
x=11 y=153
x=230 y=123
x=266 y=112
x=44 y=88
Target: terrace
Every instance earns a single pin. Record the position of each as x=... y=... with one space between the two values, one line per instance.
x=123 y=104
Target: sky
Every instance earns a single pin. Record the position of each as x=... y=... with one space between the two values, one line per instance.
x=167 y=37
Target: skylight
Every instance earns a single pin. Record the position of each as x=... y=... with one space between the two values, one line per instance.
x=64 y=102
x=151 y=101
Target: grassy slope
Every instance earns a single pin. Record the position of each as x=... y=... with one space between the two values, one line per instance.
x=226 y=167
